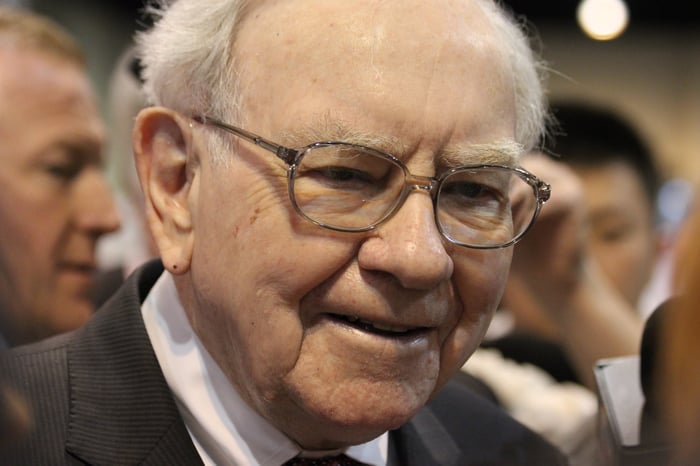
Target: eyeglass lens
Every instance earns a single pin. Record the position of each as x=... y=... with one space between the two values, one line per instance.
x=347 y=188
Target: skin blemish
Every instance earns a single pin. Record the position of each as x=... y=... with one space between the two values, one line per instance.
x=254 y=218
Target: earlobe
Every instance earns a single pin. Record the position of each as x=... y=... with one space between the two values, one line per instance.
x=167 y=167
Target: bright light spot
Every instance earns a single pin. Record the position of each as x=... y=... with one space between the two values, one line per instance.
x=602 y=19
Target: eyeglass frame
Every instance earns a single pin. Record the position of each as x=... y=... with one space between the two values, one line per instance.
x=290 y=156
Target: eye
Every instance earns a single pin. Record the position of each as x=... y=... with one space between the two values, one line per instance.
x=345 y=168
x=614 y=232
x=478 y=187
x=467 y=190
x=470 y=192
x=65 y=163
x=63 y=171
x=345 y=176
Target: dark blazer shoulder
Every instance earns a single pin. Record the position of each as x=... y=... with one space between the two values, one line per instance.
x=460 y=427
x=37 y=374
x=97 y=394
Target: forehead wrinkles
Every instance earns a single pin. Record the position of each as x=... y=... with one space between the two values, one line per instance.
x=324 y=127
x=327 y=128
x=366 y=39
x=428 y=74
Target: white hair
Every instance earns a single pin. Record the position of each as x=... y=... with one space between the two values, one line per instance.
x=528 y=71
x=189 y=64
x=187 y=58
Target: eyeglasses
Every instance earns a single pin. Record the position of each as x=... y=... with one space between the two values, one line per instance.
x=353 y=188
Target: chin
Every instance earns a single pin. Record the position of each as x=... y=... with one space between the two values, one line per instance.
x=76 y=313
x=358 y=414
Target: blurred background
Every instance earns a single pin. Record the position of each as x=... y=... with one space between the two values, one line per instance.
x=650 y=71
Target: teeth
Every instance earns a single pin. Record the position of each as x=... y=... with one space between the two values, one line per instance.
x=389 y=328
x=375 y=326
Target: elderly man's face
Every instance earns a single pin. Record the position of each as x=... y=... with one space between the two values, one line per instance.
x=54 y=201
x=337 y=337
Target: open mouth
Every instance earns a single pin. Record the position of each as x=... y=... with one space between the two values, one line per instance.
x=392 y=331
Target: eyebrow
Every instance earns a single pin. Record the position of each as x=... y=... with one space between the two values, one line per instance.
x=501 y=152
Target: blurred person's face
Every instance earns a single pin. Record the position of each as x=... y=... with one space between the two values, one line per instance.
x=54 y=202
x=622 y=235
x=336 y=337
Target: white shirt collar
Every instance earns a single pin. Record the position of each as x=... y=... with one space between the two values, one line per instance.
x=224 y=429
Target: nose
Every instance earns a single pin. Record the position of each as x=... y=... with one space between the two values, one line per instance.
x=409 y=246
x=95 y=210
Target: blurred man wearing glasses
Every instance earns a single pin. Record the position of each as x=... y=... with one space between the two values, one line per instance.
x=334 y=220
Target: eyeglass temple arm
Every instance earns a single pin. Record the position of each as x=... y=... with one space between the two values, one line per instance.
x=284 y=153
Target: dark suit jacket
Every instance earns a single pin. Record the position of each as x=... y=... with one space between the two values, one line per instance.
x=98 y=397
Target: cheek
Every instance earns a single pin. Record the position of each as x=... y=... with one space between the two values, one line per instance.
x=628 y=264
x=32 y=235
x=480 y=279
x=31 y=232
x=616 y=256
x=251 y=321
x=265 y=250
x=254 y=260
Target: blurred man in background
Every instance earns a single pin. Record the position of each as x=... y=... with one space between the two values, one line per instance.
x=55 y=201
x=574 y=291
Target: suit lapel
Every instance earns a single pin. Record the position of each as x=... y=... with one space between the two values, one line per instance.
x=121 y=408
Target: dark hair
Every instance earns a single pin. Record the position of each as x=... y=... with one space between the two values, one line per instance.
x=590 y=136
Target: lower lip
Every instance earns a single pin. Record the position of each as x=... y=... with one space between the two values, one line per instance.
x=79 y=273
x=414 y=340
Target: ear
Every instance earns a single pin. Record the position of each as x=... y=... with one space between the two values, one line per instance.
x=167 y=166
